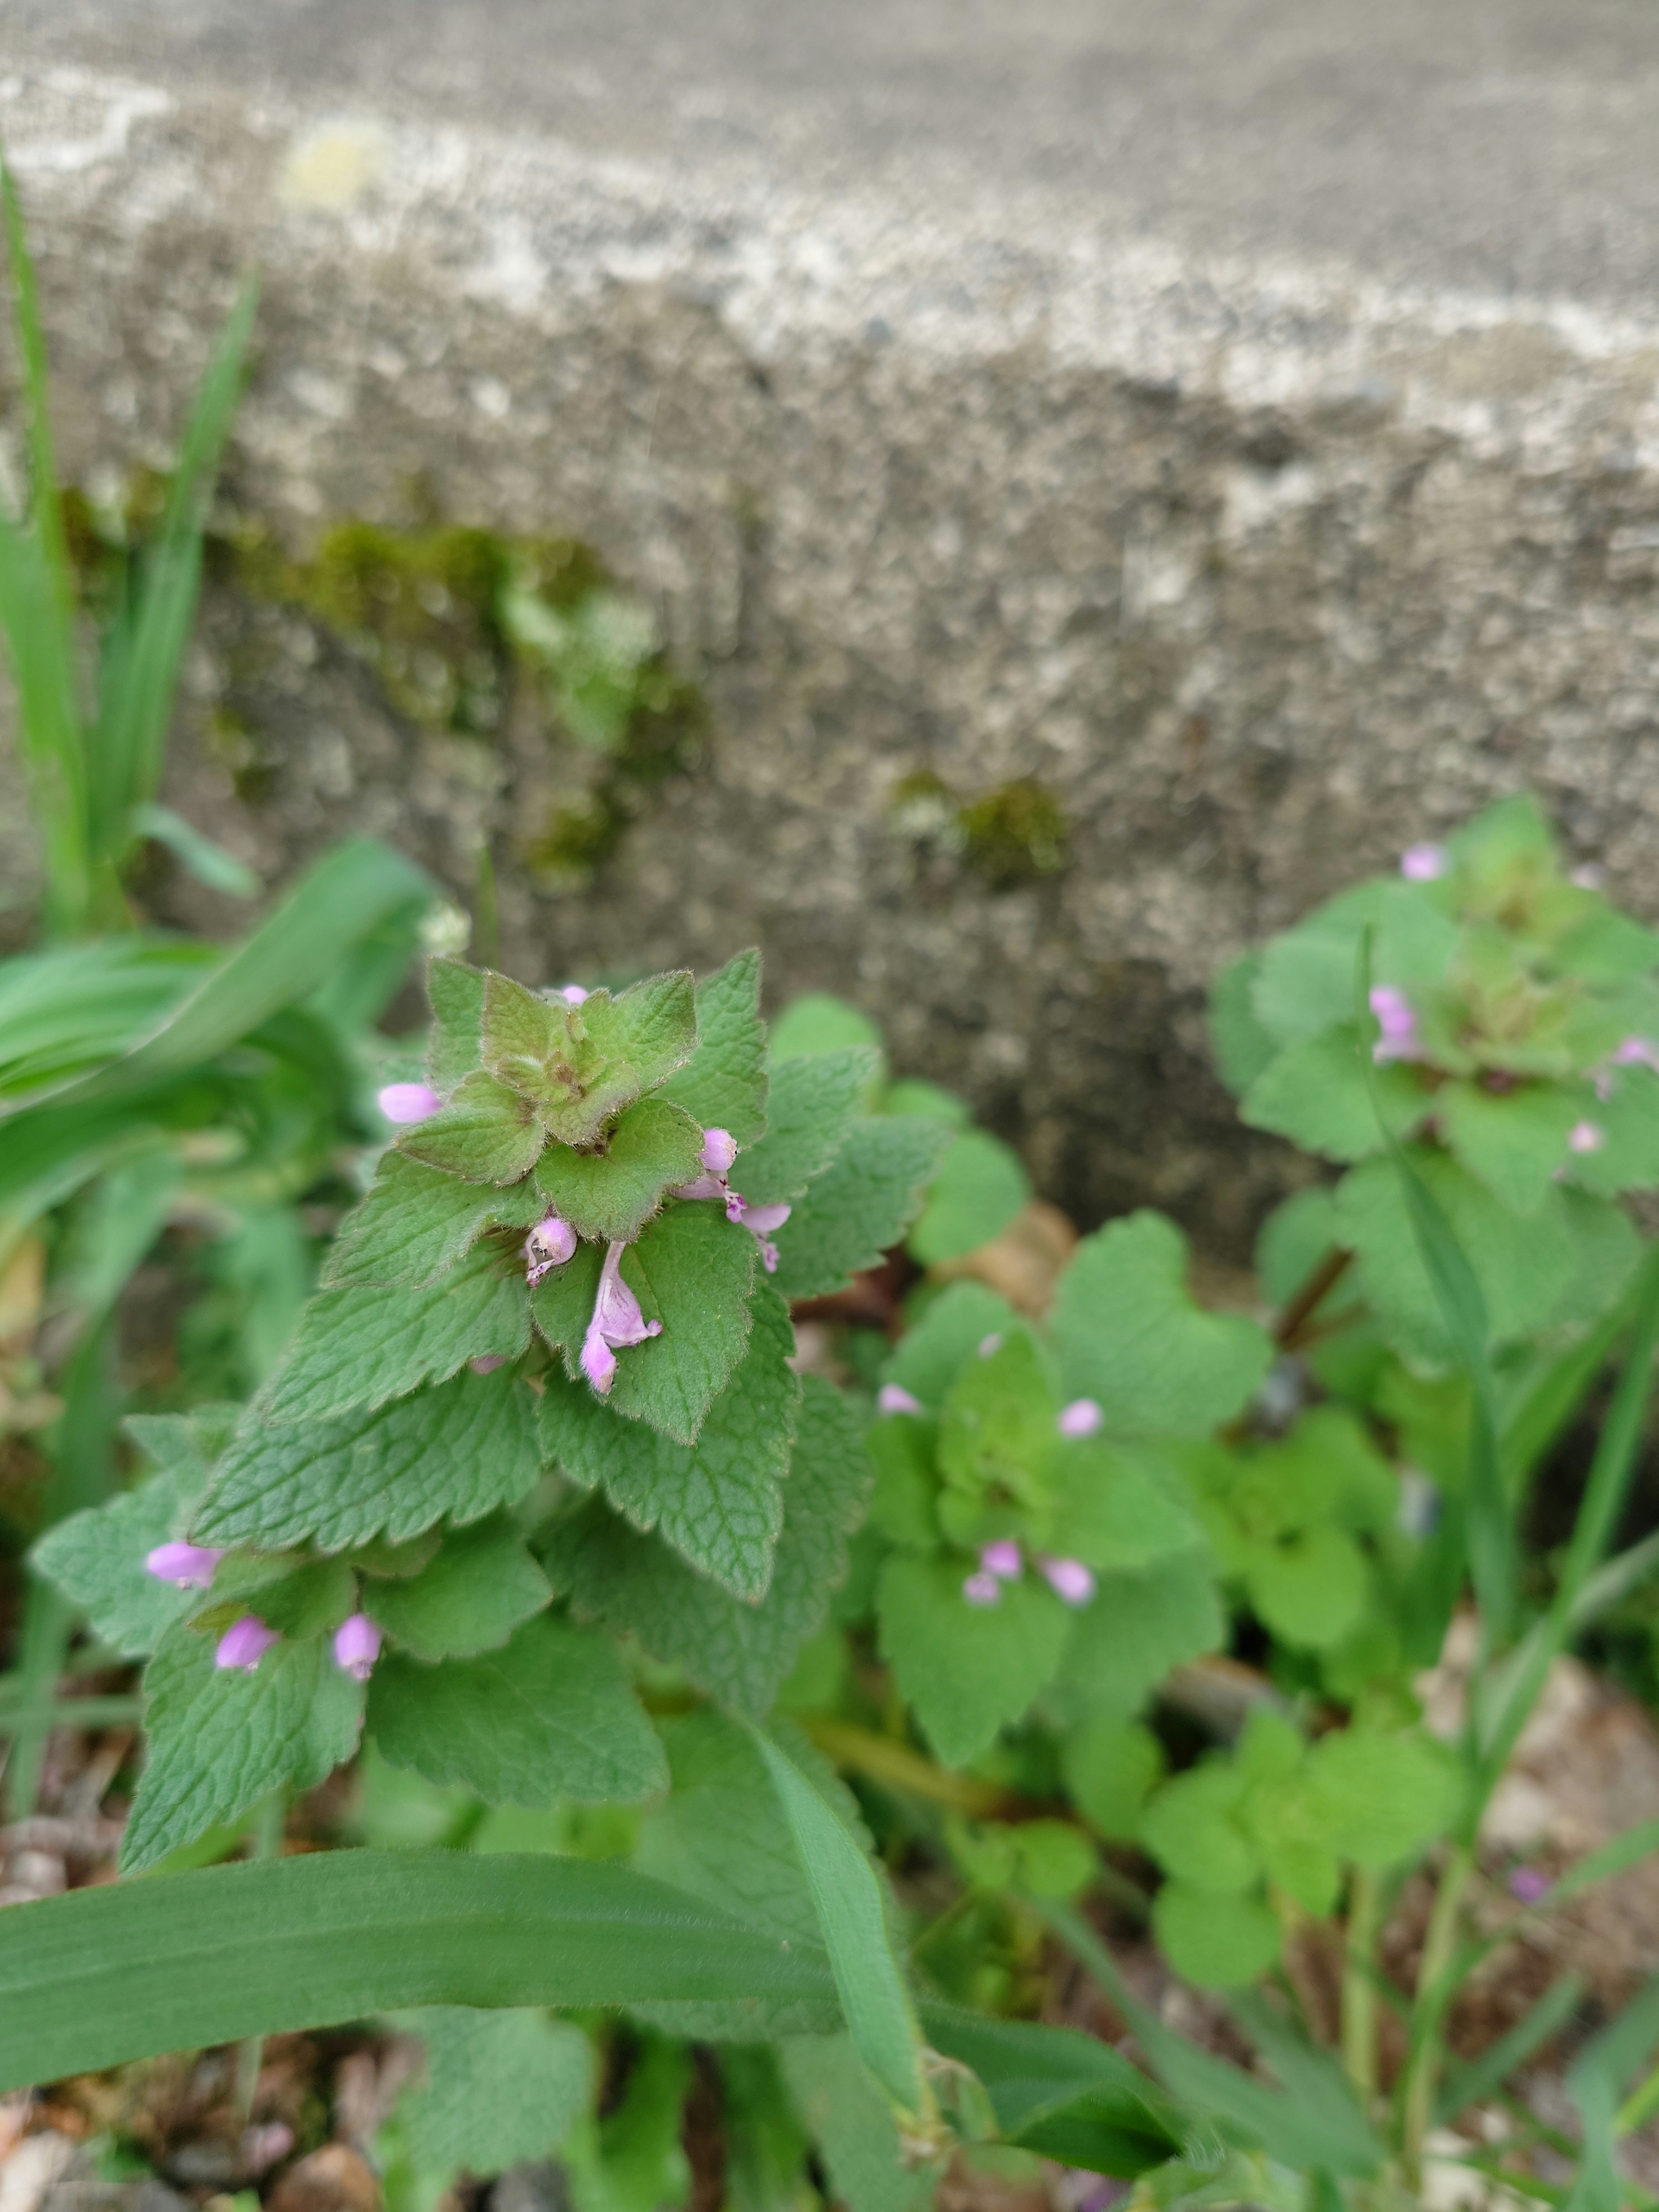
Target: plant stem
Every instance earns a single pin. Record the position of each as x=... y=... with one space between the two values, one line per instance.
x=1358 y=1985
x=1439 y=1945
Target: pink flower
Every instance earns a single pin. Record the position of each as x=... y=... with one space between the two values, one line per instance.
x=894 y=1398
x=617 y=1322
x=1002 y=1559
x=982 y=1589
x=189 y=1565
x=1586 y=1137
x=357 y=1645
x=988 y=1344
x=1637 y=1052
x=1397 y=1021
x=246 y=1643
x=404 y=1103
x=1528 y=1883
x=760 y=1221
x=1069 y=1579
x=549 y=1245
x=572 y=994
x=1080 y=1419
x=719 y=1149
x=1423 y=864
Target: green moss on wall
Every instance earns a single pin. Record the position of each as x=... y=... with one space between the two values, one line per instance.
x=1012 y=836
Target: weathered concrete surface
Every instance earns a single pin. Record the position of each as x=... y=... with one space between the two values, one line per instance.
x=1241 y=418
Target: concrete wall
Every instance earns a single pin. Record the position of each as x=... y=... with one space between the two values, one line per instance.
x=1238 y=419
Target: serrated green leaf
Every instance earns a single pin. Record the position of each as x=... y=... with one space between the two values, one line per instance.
x=218 y=1739
x=96 y=1559
x=1116 y=1508
x=717 y=1502
x=737 y=1652
x=562 y=1303
x=966 y=1670
x=1243 y=1047
x=811 y=1105
x=861 y=1205
x=1111 y=1767
x=1128 y=1335
x=929 y=1357
x=480 y=1587
x=653 y=1026
x=1315 y=1093
x=981 y=1186
x=611 y=1194
x=1627 y=1120
x=538 y=1047
x=1513 y=1142
x=1139 y=1627
x=1381 y=1798
x=550 y=1716
x=360 y=1348
x=1303 y=981
x=1220 y=1942
x=1197 y=1829
x=723 y=1085
x=453 y=1453
x=484 y=1133
x=456 y=992
x=692 y=1269
x=416 y=1223
x=498 y=2087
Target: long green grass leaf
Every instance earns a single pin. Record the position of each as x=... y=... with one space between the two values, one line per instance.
x=1485 y=2076
x=46 y=507
x=177 y=1961
x=848 y=1901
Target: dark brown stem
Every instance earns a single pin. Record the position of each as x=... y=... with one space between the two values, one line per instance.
x=1293 y=1322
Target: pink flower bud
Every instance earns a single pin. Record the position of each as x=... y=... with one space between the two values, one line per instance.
x=1397 y=1021
x=1586 y=1137
x=572 y=994
x=549 y=1245
x=189 y=1565
x=719 y=1149
x=988 y=1344
x=1080 y=1419
x=894 y=1398
x=982 y=1589
x=707 y=1186
x=404 y=1103
x=760 y=1221
x=357 y=1645
x=1002 y=1558
x=1423 y=864
x=1528 y=1883
x=246 y=1643
x=1069 y=1579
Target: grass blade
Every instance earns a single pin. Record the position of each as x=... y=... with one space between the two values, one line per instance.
x=848 y=1901
x=177 y=1961
x=46 y=507
x=1485 y=2076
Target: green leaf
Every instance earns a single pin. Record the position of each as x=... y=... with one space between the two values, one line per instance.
x=979 y=1188
x=717 y=1502
x=1128 y=1335
x=218 y=1739
x=484 y=1134
x=499 y=2087
x=737 y=1651
x=819 y=1022
x=453 y=1453
x=416 y=1223
x=811 y=1105
x=1217 y=1940
x=1139 y=1627
x=929 y=1357
x=611 y=1194
x=848 y=1901
x=723 y=1086
x=652 y=1028
x=456 y=1047
x=1111 y=1766
x=1381 y=1798
x=1243 y=1047
x=480 y=1587
x=860 y=1205
x=966 y=1669
x=360 y=1348
x=1197 y=1830
x=1116 y=1508
x=854 y=2126
x=1514 y=1142
x=132 y=1969
x=549 y=1716
x=1311 y=1586
x=1315 y=1093
x=1628 y=1119
x=1066 y=2095
x=539 y=1048
x=693 y=1269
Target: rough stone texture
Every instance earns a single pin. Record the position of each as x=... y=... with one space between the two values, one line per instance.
x=1239 y=418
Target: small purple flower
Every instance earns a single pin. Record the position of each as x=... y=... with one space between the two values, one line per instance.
x=487 y=1362
x=988 y=1344
x=1398 y=1023
x=1080 y=1419
x=618 y=1322
x=894 y=1398
x=246 y=1643
x=1637 y=1052
x=719 y=1149
x=549 y=1245
x=1527 y=1883
x=357 y=1645
x=760 y=1221
x=1002 y=1558
x=572 y=994
x=189 y=1565
x=982 y=1589
x=1069 y=1579
x=1586 y=1137
x=404 y=1103
x=1423 y=864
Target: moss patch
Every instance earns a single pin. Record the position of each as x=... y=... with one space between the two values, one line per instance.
x=1012 y=836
